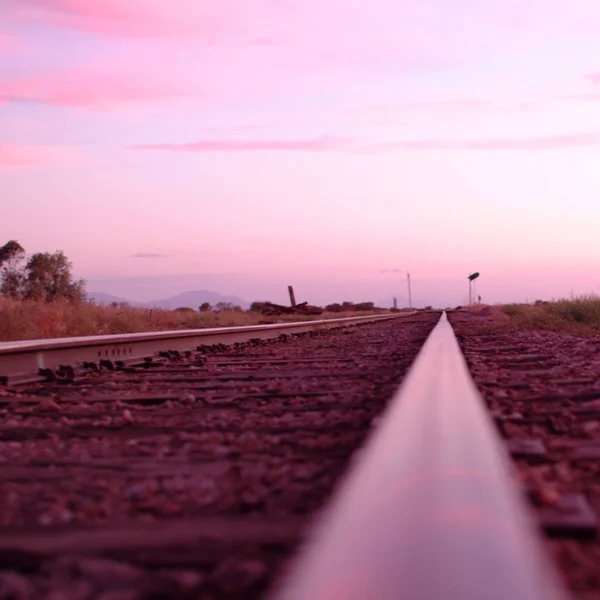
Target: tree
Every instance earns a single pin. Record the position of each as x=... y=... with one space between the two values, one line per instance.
x=11 y=251
x=12 y=276
x=205 y=307
x=48 y=277
x=44 y=277
x=219 y=306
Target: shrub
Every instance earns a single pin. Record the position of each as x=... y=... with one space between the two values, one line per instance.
x=335 y=307
x=578 y=314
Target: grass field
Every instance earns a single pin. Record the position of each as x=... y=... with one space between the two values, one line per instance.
x=578 y=314
x=27 y=320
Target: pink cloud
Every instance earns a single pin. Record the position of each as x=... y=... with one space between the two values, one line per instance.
x=552 y=142
x=331 y=144
x=87 y=88
x=447 y=107
x=405 y=33
x=322 y=144
x=586 y=96
x=450 y=106
x=18 y=156
x=129 y=18
x=583 y=97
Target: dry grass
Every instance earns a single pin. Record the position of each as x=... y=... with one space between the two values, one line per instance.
x=27 y=320
x=578 y=314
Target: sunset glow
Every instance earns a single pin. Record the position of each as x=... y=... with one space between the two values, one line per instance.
x=243 y=145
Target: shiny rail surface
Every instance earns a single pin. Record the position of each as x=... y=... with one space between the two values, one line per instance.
x=430 y=509
x=22 y=360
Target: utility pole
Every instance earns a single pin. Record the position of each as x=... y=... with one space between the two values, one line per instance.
x=409 y=296
x=292 y=297
x=471 y=278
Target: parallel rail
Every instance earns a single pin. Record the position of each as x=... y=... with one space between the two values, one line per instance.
x=430 y=509
x=23 y=360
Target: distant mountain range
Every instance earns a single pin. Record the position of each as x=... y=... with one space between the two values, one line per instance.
x=191 y=299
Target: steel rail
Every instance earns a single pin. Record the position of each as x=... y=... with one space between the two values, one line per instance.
x=430 y=509
x=22 y=360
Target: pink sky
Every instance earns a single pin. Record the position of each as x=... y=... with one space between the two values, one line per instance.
x=243 y=145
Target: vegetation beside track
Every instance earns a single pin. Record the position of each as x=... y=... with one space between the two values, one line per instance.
x=29 y=319
x=577 y=314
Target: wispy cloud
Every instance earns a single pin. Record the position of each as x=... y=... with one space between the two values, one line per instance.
x=23 y=156
x=551 y=142
x=149 y=255
x=321 y=144
x=435 y=105
x=586 y=96
x=87 y=88
x=330 y=144
x=115 y=17
x=407 y=33
x=448 y=109
x=212 y=21
x=594 y=97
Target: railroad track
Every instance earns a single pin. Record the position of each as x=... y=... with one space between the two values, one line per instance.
x=189 y=475
x=197 y=473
